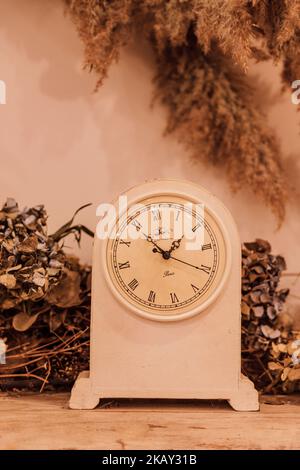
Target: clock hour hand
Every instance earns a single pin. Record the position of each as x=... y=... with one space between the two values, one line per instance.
x=175 y=244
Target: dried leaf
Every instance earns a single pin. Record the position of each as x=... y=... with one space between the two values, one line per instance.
x=22 y=321
x=66 y=293
x=39 y=278
x=270 y=332
x=258 y=311
x=265 y=298
x=274 y=366
x=56 y=319
x=255 y=295
x=245 y=309
x=271 y=312
x=282 y=347
x=285 y=373
x=29 y=244
x=8 y=280
x=294 y=374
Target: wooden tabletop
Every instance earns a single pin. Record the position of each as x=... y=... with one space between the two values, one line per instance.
x=43 y=421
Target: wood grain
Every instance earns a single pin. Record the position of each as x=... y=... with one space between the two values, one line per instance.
x=34 y=421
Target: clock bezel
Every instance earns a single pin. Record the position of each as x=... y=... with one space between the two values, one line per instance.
x=190 y=192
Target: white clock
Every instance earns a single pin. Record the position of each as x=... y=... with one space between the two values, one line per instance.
x=166 y=301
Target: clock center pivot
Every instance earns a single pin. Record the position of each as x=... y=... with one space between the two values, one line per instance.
x=165 y=254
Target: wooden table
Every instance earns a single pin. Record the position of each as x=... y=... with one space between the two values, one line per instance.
x=43 y=421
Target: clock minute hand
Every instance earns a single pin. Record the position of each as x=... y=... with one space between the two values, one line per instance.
x=188 y=264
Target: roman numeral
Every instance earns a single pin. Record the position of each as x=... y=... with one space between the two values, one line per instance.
x=206 y=269
x=133 y=284
x=123 y=242
x=195 y=288
x=198 y=225
x=124 y=265
x=206 y=247
x=156 y=214
x=174 y=298
x=177 y=215
x=151 y=297
x=137 y=225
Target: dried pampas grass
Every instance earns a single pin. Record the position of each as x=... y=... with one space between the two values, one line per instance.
x=226 y=127
x=203 y=49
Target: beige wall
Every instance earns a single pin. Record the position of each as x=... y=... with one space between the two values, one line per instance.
x=63 y=145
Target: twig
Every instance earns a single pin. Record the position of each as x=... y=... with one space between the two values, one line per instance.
x=6 y=376
x=264 y=368
x=18 y=366
x=47 y=376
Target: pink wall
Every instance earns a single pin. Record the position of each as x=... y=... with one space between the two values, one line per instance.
x=63 y=145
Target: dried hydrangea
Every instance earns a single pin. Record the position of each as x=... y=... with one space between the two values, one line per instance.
x=270 y=349
x=49 y=348
x=44 y=301
x=30 y=261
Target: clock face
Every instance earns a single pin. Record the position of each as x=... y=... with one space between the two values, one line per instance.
x=158 y=268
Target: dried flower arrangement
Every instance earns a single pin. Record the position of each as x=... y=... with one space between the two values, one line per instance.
x=45 y=309
x=44 y=299
x=202 y=50
x=270 y=347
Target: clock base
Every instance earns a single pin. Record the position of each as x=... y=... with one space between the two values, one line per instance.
x=246 y=398
x=83 y=397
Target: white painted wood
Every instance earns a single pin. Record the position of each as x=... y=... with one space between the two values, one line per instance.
x=197 y=357
x=82 y=396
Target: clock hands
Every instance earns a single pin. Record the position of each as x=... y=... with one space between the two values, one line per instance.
x=175 y=244
x=157 y=248
x=205 y=269
x=166 y=254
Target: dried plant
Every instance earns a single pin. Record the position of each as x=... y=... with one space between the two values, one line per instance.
x=104 y=26
x=278 y=23
x=47 y=333
x=219 y=120
x=226 y=125
x=33 y=265
x=270 y=349
x=51 y=353
x=229 y=22
x=44 y=299
x=30 y=261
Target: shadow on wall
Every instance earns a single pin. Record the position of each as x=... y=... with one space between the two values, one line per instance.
x=39 y=30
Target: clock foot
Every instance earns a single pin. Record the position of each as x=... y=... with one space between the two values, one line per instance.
x=246 y=399
x=82 y=397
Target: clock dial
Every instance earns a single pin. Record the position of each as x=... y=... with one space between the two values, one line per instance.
x=150 y=260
